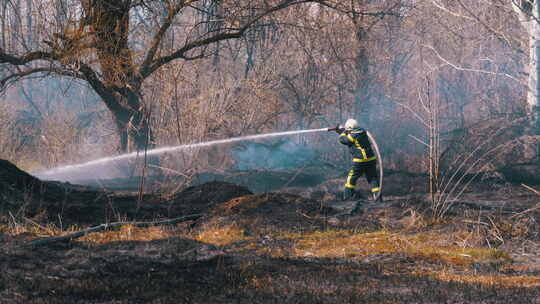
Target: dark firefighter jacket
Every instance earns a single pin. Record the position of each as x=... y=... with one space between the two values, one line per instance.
x=359 y=145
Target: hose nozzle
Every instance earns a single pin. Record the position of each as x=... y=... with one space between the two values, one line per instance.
x=337 y=129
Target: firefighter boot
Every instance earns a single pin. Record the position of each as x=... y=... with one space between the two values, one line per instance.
x=379 y=198
x=357 y=209
x=348 y=194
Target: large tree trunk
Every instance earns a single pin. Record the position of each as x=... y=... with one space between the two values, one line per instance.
x=121 y=87
x=533 y=27
x=529 y=16
x=132 y=122
x=534 y=72
x=362 y=94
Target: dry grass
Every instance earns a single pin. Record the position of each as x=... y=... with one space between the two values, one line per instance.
x=124 y=233
x=506 y=281
x=28 y=226
x=129 y=233
x=427 y=254
x=398 y=252
x=430 y=246
x=222 y=235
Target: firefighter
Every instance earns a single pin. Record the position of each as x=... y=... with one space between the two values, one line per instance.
x=364 y=160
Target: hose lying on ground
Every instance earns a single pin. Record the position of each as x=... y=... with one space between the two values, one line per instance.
x=102 y=227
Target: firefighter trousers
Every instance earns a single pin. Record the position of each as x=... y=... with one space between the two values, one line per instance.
x=369 y=169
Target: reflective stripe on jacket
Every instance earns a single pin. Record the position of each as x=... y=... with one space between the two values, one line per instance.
x=359 y=145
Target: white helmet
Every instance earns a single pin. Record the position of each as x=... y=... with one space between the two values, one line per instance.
x=351 y=124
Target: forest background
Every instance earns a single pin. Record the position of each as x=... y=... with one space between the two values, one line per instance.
x=87 y=79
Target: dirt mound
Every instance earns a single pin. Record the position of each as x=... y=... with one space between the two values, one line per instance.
x=200 y=198
x=268 y=212
x=26 y=196
x=10 y=174
x=14 y=182
x=20 y=190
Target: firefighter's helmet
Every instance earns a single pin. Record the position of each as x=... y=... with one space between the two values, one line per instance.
x=351 y=124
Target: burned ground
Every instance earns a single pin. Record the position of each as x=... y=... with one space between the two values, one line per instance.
x=288 y=246
x=161 y=272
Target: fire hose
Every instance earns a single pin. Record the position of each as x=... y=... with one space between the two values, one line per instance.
x=379 y=164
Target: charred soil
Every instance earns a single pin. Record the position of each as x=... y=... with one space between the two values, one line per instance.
x=289 y=246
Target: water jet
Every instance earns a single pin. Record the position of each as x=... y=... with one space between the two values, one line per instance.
x=56 y=172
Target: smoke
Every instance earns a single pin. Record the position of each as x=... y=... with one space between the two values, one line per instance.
x=281 y=155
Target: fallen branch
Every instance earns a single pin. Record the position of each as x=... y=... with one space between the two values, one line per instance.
x=530 y=209
x=102 y=227
x=475 y=222
x=526 y=211
x=294 y=176
x=531 y=189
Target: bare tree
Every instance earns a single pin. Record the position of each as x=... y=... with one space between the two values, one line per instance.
x=98 y=47
x=529 y=16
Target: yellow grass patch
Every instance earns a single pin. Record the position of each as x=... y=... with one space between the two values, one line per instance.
x=127 y=233
x=222 y=235
x=335 y=244
x=316 y=235
x=491 y=280
x=431 y=247
x=434 y=248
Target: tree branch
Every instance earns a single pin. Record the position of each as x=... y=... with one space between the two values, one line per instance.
x=173 y=11
x=537 y=192
x=234 y=34
x=444 y=9
x=497 y=34
x=17 y=76
x=103 y=91
x=379 y=14
x=26 y=58
x=21 y=74
x=454 y=66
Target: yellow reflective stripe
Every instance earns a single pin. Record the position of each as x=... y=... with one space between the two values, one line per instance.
x=363 y=160
x=349 y=177
x=376 y=189
x=357 y=145
x=351 y=138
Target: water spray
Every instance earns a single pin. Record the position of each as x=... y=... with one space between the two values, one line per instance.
x=157 y=151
